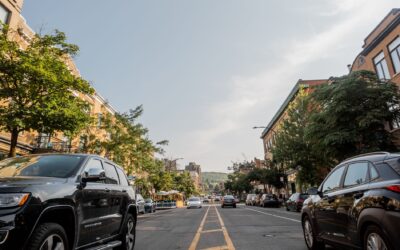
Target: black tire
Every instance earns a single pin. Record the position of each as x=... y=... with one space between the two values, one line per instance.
x=222 y=206
x=44 y=232
x=376 y=231
x=234 y=206
x=287 y=208
x=312 y=244
x=128 y=241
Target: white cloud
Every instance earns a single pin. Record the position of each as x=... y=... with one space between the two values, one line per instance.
x=252 y=96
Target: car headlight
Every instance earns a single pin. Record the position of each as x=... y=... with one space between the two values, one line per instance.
x=13 y=200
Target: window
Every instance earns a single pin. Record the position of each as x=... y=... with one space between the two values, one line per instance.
x=394 y=49
x=381 y=67
x=111 y=174
x=59 y=166
x=333 y=181
x=4 y=14
x=357 y=173
x=122 y=177
x=99 y=118
x=373 y=173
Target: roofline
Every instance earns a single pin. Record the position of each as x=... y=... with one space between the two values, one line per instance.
x=382 y=35
x=392 y=11
x=288 y=99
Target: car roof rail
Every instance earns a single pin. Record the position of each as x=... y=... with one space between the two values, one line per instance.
x=367 y=154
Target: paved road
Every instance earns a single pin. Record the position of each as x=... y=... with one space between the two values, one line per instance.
x=215 y=228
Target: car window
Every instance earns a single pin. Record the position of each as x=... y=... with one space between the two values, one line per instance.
x=94 y=163
x=357 y=173
x=122 y=177
x=60 y=166
x=372 y=172
x=111 y=174
x=333 y=181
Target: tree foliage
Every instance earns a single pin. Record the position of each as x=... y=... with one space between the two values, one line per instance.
x=37 y=90
x=292 y=148
x=350 y=116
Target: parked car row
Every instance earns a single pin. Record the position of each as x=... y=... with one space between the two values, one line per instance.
x=145 y=205
x=263 y=200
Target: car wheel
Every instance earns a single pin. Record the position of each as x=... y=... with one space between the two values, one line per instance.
x=234 y=206
x=128 y=236
x=48 y=236
x=222 y=206
x=287 y=208
x=374 y=238
x=309 y=236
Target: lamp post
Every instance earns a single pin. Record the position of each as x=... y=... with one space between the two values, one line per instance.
x=256 y=127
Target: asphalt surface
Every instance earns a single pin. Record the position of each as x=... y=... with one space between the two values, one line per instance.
x=213 y=227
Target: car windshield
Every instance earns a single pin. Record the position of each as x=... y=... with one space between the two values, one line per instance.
x=60 y=166
x=228 y=197
x=194 y=199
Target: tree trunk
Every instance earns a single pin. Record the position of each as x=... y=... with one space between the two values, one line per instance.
x=13 y=144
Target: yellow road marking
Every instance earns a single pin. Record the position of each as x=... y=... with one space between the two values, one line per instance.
x=229 y=244
x=225 y=232
x=211 y=231
x=196 y=238
x=217 y=248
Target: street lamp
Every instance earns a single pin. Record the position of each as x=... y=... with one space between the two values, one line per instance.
x=255 y=127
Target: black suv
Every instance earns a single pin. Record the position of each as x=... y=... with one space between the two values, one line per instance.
x=357 y=205
x=65 y=201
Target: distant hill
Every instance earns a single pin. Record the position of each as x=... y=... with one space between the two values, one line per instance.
x=213 y=177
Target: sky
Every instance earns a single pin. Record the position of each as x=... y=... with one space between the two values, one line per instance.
x=208 y=71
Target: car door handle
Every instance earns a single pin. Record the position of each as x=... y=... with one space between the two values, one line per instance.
x=358 y=195
x=124 y=190
x=107 y=190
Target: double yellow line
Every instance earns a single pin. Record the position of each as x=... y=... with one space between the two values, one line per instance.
x=228 y=241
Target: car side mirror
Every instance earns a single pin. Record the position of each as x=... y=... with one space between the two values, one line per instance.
x=313 y=191
x=93 y=175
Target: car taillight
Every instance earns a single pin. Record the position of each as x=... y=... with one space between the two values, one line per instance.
x=394 y=188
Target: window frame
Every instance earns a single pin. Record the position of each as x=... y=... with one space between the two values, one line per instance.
x=367 y=178
x=344 y=166
x=107 y=177
x=9 y=13
x=397 y=50
x=119 y=177
x=379 y=63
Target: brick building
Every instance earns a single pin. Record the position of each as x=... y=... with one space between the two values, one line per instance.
x=28 y=142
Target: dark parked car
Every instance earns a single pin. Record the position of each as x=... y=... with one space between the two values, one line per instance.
x=150 y=206
x=269 y=200
x=357 y=205
x=65 y=201
x=228 y=201
x=295 y=202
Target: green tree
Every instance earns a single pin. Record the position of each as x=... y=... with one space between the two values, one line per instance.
x=184 y=183
x=292 y=148
x=37 y=90
x=127 y=143
x=351 y=115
